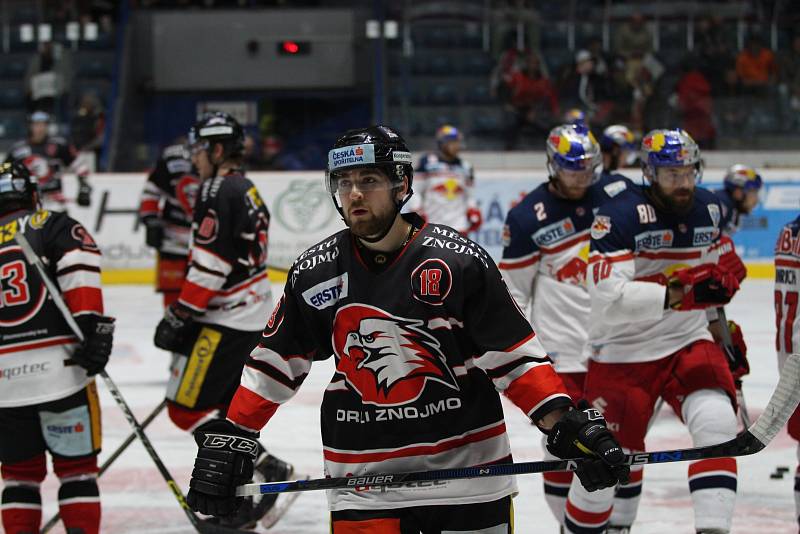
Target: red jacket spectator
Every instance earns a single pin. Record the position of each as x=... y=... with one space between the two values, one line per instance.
x=529 y=88
x=755 y=65
x=694 y=98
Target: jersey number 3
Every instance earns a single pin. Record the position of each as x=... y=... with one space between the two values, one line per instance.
x=14 y=287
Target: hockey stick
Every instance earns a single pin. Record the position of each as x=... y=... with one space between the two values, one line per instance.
x=58 y=300
x=727 y=344
x=780 y=407
x=110 y=460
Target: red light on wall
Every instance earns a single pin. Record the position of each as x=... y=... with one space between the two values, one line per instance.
x=293 y=48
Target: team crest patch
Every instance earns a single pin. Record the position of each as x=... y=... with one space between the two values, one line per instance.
x=431 y=281
x=79 y=233
x=387 y=360
x=713 y=211
x=208 y=229
x=601 y=226
x=38 y=219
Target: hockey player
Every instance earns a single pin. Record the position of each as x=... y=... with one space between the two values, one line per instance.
x=165 y=209
x=652 y=272
x=787 y=336
x=444 y=185
x=225 y=297
x=424 y=334
x=618 y=145
x=739 y=196
x=47 y=157
x=48 y=398
x=545 y=253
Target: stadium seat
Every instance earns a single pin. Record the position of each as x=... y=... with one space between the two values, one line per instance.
x=490 y=123
x=13 y=67
x=442 y=94
x=12 y=126
x=94 y=66
x=477 y=64
x=479 y=94
x=441 y=65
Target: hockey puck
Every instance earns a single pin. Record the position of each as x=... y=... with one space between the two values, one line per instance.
x=776 y=476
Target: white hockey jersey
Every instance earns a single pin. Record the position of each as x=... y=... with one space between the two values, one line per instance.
x=634 y=251
x=787 y=273
x=546 y=249
x=443 y=191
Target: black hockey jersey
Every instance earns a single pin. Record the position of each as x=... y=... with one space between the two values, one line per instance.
x=47 y=161
x=227 y=281
x=35 y=340
x=421 y=351
x=169 y=194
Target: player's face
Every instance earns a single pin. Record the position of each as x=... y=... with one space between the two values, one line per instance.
x=201 y=161
x=749 y=201
x=368 y=200
x=573 y=184
x=676 y=185
x=451 y=148
x=38 y=131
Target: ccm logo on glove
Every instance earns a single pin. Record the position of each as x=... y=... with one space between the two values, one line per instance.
x=233 y=443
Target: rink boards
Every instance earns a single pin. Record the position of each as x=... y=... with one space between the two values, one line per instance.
x=303 y=214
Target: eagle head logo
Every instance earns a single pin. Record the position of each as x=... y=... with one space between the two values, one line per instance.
x=387 y=359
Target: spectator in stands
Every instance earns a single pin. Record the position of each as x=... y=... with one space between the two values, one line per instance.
x=88 y=125
x=696 y=104
x=601 y=60
x=48 y=78
x=789 y=73
x=712 y=50
x=578 y=89
x=512 y=59
x=532 y=101
x=756 y=67
x=633 y=39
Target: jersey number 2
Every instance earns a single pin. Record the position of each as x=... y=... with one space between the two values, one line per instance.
x=13 y=275
x=787 y=302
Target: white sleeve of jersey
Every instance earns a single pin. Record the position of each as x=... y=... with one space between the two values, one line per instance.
x=617 y=296
x=520 y=283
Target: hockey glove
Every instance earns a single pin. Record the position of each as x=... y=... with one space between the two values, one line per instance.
x=84 y=193
x=730 y=261
x=173 y=328
x=475 y=219
x=224 y=461
x=153 y=232
x=583 y=433
x=737 y=354
x=98 y=334
x=704 y=286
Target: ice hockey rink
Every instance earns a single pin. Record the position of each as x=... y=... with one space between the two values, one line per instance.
x=136 y=499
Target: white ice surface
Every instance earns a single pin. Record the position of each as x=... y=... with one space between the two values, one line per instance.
x=136 y=499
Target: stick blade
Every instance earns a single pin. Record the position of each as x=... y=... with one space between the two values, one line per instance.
x=782 y=404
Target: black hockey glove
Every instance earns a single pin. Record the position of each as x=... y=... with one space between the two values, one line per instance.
x=224 y=461
x=583 y=433
x=172 y=330
x=153 y=232
x=98 y=333
x=84 y=193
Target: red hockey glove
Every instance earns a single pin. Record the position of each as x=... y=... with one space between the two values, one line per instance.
x=704 y=286
x=729 y=260
x=475 y=219
x=737 y=355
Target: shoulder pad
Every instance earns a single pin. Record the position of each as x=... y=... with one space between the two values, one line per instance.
x=614 y=188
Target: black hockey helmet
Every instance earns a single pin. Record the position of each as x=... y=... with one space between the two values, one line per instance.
x=18 y=187
x=374 y=146
x=218 y=127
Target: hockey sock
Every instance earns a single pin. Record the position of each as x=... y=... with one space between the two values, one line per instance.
x=627 y=497
x=710 y=417
x=78 y=496
x=21 y=500
x=189 y=420
x=587 y=513
x=556 y=486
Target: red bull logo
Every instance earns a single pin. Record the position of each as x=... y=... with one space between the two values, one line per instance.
x=572 y=272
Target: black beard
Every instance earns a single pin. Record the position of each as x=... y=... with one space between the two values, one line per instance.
x=667 y=203
x=371 y=227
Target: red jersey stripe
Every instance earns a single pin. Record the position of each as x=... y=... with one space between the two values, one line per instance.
x=534 y=386
x=84 y=299
x=251 y=410
x=415 y=450
x=39 y=344
x=587 y=518
x=195 y=295
x=508 y=265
